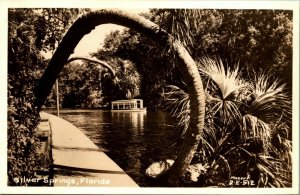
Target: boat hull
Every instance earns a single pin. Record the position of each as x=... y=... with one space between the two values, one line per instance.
x=130 y=110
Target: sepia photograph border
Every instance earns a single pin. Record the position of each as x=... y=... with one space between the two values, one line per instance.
x=127 y=4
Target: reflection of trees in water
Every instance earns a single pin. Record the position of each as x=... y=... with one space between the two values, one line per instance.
x=136 y=118
x=135 y=140
x=132 y=140
x=123 y=140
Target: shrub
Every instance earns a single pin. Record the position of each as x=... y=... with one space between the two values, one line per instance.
x=23 y=117
x=247 y=127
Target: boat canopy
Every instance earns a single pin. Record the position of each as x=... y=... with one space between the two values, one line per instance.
x=127 y=104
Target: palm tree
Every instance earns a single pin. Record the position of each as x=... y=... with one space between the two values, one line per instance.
x=126 y=82
x=102 y=63
x=247 y=125
x=186 y=66
x=231 y=113
x=267 y=121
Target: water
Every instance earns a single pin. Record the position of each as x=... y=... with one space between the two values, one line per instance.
x=133 y=140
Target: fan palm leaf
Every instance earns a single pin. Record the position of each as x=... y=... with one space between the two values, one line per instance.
x=270 y=106
x=177 y=100
x=271 y=100
x=224 y=87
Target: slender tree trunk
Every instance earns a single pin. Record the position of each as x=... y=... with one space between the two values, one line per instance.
x=197 y=114
x=185 y=64
x=57 y=97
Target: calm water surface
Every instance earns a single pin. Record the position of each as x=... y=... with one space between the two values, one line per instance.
x=133 y=140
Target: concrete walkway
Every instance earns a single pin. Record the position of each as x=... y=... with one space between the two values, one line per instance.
x=79 y=162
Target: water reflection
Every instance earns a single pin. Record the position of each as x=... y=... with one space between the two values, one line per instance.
x=132 y=139
x=135 y=118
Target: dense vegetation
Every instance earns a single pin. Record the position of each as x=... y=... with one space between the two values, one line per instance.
x=29 y=32
x=245 y=57
x=237 y=36
x=99 y=86
x=247 y=127
x=258 y=40
x=23 y=63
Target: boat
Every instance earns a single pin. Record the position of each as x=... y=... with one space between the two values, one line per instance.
x=131 y=105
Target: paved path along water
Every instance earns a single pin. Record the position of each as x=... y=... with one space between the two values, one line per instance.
x=79 y=162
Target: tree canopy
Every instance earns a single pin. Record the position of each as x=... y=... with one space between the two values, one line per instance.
x=249 y=42
x=28 y=34
x=257 y=40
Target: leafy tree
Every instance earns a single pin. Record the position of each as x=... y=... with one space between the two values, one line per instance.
x=51 y=25
x=27 y=35
x=259 y=39
x=135 y=47
x=125 y=84
x=91 y=84
x=23 y=71
x=186 y=66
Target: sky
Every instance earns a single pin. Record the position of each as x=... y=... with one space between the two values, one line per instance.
x=94 y=40
x=91 y=42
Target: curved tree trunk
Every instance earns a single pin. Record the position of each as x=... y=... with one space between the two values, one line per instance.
x=102 y=63
x=185 y=64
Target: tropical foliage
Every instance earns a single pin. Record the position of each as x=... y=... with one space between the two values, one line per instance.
x=125 y=84
x=248 y=112
x=23 y=70
x=237 y=36
x=26 y=37
x=134 y=47
x=258 y=39
x=248 y=126
x=89 y=85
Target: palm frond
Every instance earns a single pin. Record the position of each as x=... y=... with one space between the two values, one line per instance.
x=267 y=113
x=178 y=102
x=254 y=128
x=272 y=172
x=180 y=22
x=229 y=81
x=224 y=86
x=271 y=100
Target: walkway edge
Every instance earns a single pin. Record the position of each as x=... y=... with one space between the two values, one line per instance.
x=79 y=162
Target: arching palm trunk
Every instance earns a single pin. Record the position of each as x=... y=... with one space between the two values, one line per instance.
x=102 y=63
x=186 y=65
